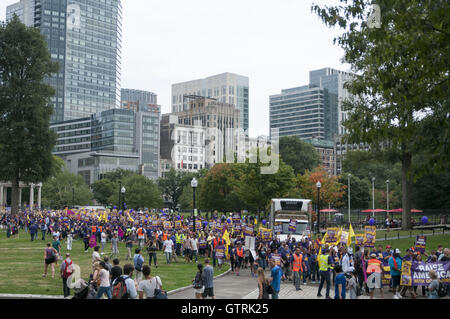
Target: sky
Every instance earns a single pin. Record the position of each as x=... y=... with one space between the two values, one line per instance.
x=274 y=43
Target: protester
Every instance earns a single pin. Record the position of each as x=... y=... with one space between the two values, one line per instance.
x=138 y=261
x=276 y=275
x=66 y=271
x=208 y=280
x=395 y=264
x=50 y=255
x=167 y=247
x=374 y=270
x=199 y=287
x=129 y=282
x=340 y=283
x=325 y=262
x=116 y=271
x=433 y=286
x=263 y=284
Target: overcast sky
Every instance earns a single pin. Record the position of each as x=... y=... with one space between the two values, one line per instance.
x=274 y=43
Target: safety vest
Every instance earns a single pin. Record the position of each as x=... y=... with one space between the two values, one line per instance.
x=240 y=252
x=100 y=228
x=323 y=263
x=164 y=236
x=297 y=265
x=140 y=233
x=373 y=265
x=216 y=242
x=94 y=229
x=179 y=238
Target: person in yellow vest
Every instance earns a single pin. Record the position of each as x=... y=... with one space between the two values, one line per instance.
x=239 y=257
x=325 y=264
x=179 y=239
x=297 y=265
x=374 y=273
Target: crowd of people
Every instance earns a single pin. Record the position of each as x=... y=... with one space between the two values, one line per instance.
x=303 y=262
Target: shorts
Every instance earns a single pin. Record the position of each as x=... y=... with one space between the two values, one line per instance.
x=208 y=292
x=239 y=261
x=395 y=281
x=50 y=260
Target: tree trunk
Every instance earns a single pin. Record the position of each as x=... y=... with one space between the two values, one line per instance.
x=15 y=196
x=406 y=191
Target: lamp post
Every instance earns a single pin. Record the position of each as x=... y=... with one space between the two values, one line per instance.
x=318 y=185
x=194 y=186
x=120 y=195
x=387 y=195
x=373 y=196
x=73 y=197
x=349 y=175
x=123 y=190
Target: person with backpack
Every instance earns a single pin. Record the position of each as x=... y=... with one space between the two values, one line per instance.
x=66 y=271
x=198 y=282
x=124 y=286
x=138 y=264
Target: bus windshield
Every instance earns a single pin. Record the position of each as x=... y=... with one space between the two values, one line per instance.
x=300 y=230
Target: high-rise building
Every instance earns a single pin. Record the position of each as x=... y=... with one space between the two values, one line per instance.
x=227 y=88
x=85 y=38
x=139 y=101
x=108 y=140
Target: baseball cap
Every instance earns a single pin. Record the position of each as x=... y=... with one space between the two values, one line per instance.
x=388 y=246
x=350 y=250
x=373 y=255
x=397 y=251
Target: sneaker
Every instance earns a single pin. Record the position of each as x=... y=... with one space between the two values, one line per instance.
x=319 y=295
x=398 y=295
x=395 y=297
x=297 y=289
x=328 y=297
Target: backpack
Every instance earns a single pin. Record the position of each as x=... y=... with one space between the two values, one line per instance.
x=68 y=270
x=442 y=290
x=120 y=289
x=198 y=281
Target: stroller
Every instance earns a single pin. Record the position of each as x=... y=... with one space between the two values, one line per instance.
x=84 y=290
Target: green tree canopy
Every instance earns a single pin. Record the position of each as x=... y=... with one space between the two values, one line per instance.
x=26 y=141
x=298 y=154
x=400 y=88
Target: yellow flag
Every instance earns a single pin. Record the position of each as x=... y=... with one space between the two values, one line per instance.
x=351 y=234
x=227 y=241
x=324 y=238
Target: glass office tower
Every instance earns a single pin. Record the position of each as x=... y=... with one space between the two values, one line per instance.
x=84 y=37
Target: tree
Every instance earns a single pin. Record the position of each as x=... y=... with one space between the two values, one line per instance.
x=400 y=90
x=331 y=191
x=65 y=189
x=172 y=184
x=26 y=141
x=141 y=192
x=359 y=191
x=103 y=190
x=298 y=154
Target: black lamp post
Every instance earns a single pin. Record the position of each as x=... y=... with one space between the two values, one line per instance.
x=194 y=186
x=318 y=185
x=123 y=190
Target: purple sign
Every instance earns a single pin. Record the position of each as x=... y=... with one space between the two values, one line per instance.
x=421 y=242
x=417 y=273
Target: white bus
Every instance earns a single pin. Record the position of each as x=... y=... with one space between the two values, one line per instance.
x=283 y=210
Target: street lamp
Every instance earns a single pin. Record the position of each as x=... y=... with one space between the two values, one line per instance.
x=373 y=196
x=318 y=185
x=387 y=195
x=194 y=186
x=349 y=175
x=73 y=197
x=123 y=190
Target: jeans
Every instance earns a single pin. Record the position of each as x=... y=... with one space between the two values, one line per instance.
x=275 y=294
x=194 y=254
x=150 y=257
x=102 y=290
x=168 y=257
x=297 y=275
x=43 y=235
x=324 y=277
x=214 y=258
x=262 y=263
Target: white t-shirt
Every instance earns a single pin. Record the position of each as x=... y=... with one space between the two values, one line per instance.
x=104 y=278
x=95 y=256
x=168 y=246
x=148 y=286
x=103 y=238
x=194 y=243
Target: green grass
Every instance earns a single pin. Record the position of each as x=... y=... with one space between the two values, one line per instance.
x=432 y=243
x=22 y=266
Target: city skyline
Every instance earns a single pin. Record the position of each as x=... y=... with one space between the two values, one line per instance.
x=274 y=45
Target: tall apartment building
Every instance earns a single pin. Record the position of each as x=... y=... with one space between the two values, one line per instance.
x=85 y=38
x=227 y=88
x=108 y=140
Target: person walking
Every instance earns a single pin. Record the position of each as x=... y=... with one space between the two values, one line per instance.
x=374 y=273
x=66 y=271
x=340 y=283
x=297 y=268
x=50 y=254
x=69 y=241
x=208 y=280
x=103 y=241
x=116 y=271
x=198 y=285
x=239 y=257
x=194 y=247
x=152 y=247
x=57 y=245
x=102 y=280
x=276 y=275
x=263 y=284
x=129 y=245
x=325 y=262
x=138 y=261
x=167 y=248
x=114 y=245
x=395 y=264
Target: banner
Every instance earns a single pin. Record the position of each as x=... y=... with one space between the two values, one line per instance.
x=331 y=235
x=236 y=218
x=278 y=228
x=277 y=259
x=292 y=226
x=385 y=280
x=417 y=273
x=344 y=238
x=248 y=230
x=178 y=224
x=266 y=234
x=421 y=242
x=370 y=233
x=220 y=251
x=202 y=243
x=359 y=239
x=167 y=225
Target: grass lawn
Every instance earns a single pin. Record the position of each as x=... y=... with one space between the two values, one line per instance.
x=22 y=266
x=405 y=243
